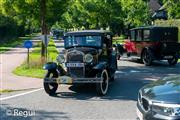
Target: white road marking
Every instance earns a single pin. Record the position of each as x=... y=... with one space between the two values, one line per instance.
x=21 y=94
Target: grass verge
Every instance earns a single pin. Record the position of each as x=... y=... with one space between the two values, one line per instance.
x=6 y=91
x=7 y=45
x=118 y=40
x=35 y=67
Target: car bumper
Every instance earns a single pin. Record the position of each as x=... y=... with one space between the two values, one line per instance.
x=70 y=80
x=142 y=115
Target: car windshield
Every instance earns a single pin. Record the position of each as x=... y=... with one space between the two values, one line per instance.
x=81 y=41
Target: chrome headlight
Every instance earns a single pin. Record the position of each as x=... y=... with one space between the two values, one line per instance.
x=60 y=58
x=88 y=58
x=167 y=109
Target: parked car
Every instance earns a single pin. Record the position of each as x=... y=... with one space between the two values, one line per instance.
x=153 y=43
x=160 y=100
x=88 y=58
x=57 y=34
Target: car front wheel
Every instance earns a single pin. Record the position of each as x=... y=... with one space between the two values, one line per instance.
x=173 y=61
x=102 y=87
x=147 y=57
x=50 y=86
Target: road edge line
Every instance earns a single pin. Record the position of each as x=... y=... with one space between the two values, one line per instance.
x=21 y=94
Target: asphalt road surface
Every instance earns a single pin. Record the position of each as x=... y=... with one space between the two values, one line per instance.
x=82 y=102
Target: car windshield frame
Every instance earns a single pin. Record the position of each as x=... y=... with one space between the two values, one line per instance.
x=94 y=41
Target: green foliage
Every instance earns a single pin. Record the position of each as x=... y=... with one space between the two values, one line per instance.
x=173 y=8
x=8 y=28
x=136 y=12
x=112 y=14
x=27 y=12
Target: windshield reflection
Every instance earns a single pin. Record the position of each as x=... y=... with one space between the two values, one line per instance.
x=87 y=41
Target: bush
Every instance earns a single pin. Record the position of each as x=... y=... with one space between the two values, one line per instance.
x=9 y=29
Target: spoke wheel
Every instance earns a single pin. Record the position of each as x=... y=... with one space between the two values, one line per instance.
x=50 y=88
x=102 y=87
x=147 y=57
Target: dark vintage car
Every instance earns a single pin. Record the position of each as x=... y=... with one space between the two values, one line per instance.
x=88 y=58
x=153 y=43
x=160 y=100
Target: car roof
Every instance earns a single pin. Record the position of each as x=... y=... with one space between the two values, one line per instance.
x=154 y=27
x=88 y=32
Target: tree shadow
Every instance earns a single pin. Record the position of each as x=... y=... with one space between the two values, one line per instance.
x=10 y=113
x=129 y=79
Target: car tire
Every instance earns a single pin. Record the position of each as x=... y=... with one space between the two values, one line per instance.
x=50 y=88
x=102 y=87
x=147 y=57
x=114 y=70
x=173 y=61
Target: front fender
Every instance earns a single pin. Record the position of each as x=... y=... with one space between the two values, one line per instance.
x=50 y=66
x=100 y=66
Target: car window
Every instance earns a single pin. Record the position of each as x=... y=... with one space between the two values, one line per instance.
x=132 y=35
x=139 y=35
x=146 y=34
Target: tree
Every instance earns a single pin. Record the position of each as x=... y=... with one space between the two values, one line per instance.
x=173 y=8
x=35 y=13
x=136 y=12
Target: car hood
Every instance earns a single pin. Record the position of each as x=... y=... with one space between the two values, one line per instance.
x=84 y=50
x=165 y=90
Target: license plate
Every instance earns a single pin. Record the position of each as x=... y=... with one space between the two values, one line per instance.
x=75 y=64
x=64 y=80
x=168 y=57
x=139 y=114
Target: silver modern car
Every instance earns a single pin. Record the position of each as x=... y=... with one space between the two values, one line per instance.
x=160 y=100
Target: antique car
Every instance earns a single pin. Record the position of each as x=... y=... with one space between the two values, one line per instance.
x=88 y=58
x=160 y=100
x=153 y=43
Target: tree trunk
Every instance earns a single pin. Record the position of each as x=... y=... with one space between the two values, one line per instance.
x=43 y=28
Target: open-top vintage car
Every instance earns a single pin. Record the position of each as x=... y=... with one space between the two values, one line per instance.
x=88 y=58
x=153 y=43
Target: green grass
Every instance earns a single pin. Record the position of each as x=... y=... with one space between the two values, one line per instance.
x=7 y=45
x=36 y=64
x=118 y=40
x=6 y=91
x=10 y=90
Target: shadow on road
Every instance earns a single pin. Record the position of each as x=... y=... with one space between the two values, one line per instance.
x=129 y=79
x=10 y=113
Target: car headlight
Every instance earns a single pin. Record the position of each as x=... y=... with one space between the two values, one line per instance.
x=167 y=110
x=88 y=58
x=60 y=59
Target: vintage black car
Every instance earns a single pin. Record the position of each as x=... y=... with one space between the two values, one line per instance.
x=88 y=58
x=153 y=43
x=160 y=100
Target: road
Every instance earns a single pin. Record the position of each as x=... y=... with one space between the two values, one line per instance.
x=82 y=103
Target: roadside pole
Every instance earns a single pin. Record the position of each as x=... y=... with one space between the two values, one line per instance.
x=28 y=44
